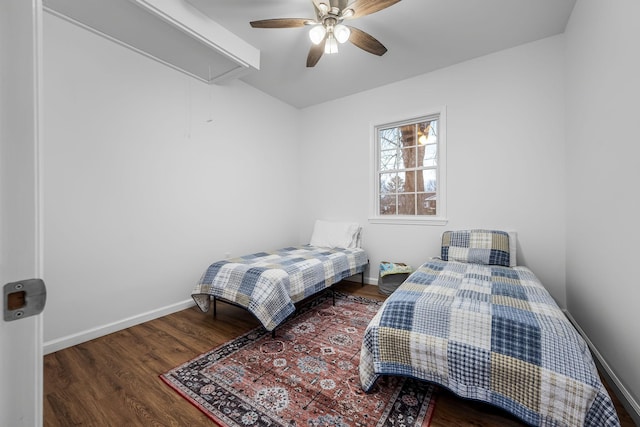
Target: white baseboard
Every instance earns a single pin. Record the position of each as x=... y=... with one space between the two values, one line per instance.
x=89 y=334
x=630 y=404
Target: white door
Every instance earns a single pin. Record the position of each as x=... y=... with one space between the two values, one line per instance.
x=20 y=340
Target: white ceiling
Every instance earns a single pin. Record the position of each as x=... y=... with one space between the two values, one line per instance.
x=420 y=35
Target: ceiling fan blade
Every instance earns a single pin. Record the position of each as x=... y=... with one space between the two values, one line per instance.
x=340 y=4
x=316 y=9
x=367 y=7
x=366 y=42
x=281 y=23
x=315 y=53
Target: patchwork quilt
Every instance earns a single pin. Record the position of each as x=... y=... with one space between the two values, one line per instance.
x=489 y=333
x=269 y=283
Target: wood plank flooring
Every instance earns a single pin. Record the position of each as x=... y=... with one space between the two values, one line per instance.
x=113 y=380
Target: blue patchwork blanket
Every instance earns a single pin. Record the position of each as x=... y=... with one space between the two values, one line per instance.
x=269 y=283
x=488 y=333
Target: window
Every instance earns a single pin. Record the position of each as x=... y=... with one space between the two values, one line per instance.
x=409 y=170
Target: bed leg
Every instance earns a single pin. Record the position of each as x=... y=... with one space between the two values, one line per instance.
x=214 y=306
x=273 y=334
x=333 y=295
x=362 y=275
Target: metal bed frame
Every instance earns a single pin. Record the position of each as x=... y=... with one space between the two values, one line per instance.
x=273 y=332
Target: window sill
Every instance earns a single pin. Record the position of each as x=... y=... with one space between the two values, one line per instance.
x=408 y=220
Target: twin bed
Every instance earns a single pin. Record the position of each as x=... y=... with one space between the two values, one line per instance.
x=471 y=322
x=489 y=332
x=268 y=284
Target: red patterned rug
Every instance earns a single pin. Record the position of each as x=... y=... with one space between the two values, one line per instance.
x=306 y=376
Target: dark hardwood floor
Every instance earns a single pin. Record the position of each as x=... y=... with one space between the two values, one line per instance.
x=113 y=380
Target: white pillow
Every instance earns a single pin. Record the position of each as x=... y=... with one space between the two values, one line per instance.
x=333 y=234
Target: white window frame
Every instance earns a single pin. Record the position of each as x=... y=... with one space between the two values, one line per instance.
x=441 y=172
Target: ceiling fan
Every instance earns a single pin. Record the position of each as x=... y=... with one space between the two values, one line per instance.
x=327 y=29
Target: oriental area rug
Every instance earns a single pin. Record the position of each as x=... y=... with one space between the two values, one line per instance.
x=306 y=376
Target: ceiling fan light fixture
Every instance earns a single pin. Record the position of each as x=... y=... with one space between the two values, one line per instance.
x=342 y=33
x=347 y=13
x=323 y=8
x=331 y=46
x=317 y=33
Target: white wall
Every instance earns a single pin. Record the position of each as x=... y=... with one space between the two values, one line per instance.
x=505 y=127
x=603 y=91
x=141 y=192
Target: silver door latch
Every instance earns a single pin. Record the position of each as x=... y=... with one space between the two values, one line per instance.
x=24 y=298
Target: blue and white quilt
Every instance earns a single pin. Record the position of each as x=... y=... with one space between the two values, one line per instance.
x=488 y=333
x=269 y=283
